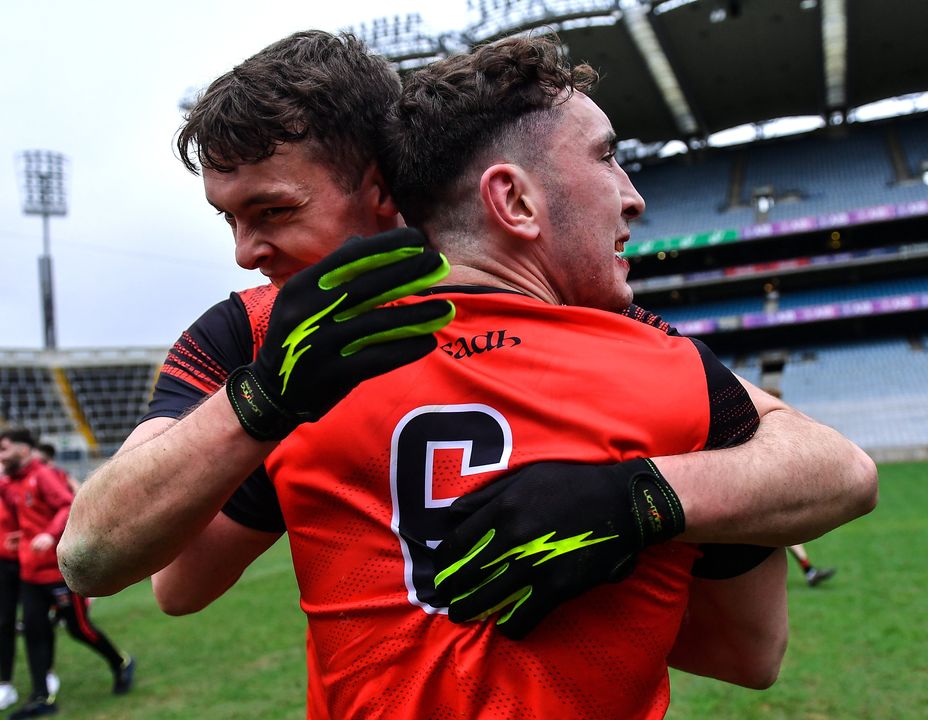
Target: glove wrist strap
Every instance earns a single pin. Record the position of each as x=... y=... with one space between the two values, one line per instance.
x=657 y=507
x=260 y=417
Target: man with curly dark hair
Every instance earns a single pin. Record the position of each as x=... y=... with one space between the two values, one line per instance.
x=503 y=159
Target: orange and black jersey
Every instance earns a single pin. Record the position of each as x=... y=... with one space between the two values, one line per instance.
x=364 y=493
x=227 y=336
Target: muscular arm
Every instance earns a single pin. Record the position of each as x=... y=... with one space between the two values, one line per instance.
x=736 y=630
x=135 y=514
x=793 y=481
x=209 y=565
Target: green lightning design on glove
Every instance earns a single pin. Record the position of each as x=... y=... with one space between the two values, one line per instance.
x=533 y=547
x=537 y=546
x=554 y=549
x=346 y=273
x=297 y=336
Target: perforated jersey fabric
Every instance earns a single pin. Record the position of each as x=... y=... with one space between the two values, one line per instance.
x=363 y=492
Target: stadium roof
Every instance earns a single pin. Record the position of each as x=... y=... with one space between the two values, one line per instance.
x=684 y=69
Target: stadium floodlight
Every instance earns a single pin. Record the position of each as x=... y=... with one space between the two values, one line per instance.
x=42 y=181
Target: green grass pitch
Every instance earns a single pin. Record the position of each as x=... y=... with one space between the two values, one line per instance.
x=858 y=645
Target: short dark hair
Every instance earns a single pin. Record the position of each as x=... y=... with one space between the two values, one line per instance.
x=313 y=86
x=18 y=435
x=47 y=449
x=454 y=109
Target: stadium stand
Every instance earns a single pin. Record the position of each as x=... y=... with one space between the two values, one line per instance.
x=675 y=207
x=85 y=402
x=30 y=397
x=822 y=174
x=875 y=392
x=807 y=176
x=112 y=398
x=912 y=134
x=798 y=299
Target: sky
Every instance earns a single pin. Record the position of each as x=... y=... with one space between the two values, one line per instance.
x=140 y=254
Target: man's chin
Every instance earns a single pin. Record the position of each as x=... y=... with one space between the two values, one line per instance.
x=624 y=300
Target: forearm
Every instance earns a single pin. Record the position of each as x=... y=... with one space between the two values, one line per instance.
x=209 y=565
x=736 y=630
x=135 y=514
x=793 y=481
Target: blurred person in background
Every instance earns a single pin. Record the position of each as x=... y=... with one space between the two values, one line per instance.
x=813 y=575
x=46 y=452
x=9 y=604
x=9 y=599
x=41 y=499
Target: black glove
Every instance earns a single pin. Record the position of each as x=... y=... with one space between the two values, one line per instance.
x=324 y=335
x=547 y=533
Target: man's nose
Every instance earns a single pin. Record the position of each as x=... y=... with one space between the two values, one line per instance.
x=250 y=249
x=633 y=204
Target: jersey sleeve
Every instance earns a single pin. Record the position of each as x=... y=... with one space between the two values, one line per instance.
x=200 y=361
x=733 y=419
x=721 y=562
x=197 y=365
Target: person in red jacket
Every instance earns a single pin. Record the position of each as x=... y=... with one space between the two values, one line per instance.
x=41 y=501
x=9 y=604
x=46 y=452
x=9 y=600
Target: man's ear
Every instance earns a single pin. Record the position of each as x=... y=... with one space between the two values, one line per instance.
x=511 y=200
x=375 y=191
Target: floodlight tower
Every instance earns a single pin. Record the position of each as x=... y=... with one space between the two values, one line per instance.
x=43 y=189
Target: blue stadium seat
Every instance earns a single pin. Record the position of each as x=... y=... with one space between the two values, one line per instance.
x=875 y=392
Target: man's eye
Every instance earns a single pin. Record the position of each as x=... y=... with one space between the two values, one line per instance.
x=274 y=211
x=609 y=157
x=228 y=217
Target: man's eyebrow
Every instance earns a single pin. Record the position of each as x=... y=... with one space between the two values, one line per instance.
x=266 y=198
x=611 y=140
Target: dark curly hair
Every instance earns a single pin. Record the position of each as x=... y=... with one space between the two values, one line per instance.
x=457 y=109
x=18 y=435
x=311 y=86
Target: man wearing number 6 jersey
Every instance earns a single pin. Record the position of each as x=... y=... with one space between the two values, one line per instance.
x=365 y=489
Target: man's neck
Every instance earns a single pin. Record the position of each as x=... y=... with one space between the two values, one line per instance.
x=505 y=278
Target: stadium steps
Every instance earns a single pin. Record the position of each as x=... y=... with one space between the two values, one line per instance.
x=808 y=176
x=875 y=393
x=69 y=400
x=29 y=398
x=897 y=155
x=736 y=307
x=736 y=183
x=112 y=397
